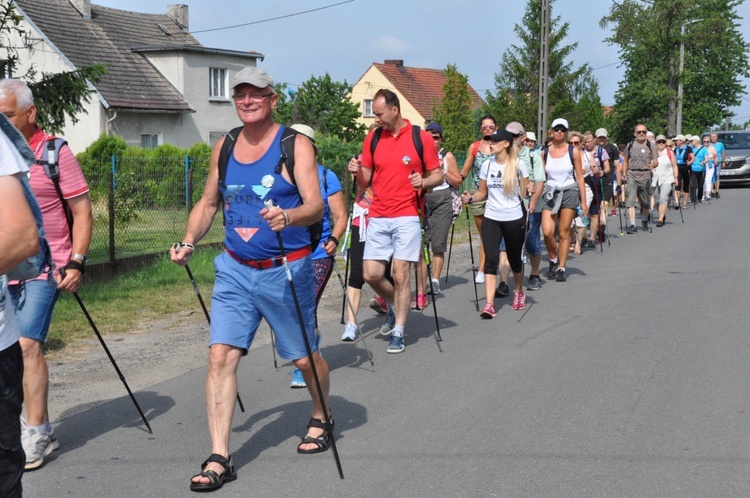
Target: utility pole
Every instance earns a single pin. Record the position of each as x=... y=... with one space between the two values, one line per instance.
x=678 y=124
x=541 y=128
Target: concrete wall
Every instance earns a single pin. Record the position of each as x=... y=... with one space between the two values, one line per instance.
x=372 y=81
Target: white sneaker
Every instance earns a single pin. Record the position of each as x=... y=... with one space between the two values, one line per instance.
x=37 y=446
x=350 y=332
x=479 y=278
x=435 y=287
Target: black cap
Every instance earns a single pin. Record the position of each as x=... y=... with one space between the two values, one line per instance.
x=499 y=136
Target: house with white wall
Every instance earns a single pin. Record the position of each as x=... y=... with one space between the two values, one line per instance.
x=162 y=85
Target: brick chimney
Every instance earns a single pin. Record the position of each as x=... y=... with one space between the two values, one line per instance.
x=395 y=62
x=84 y=7
x=179 y=14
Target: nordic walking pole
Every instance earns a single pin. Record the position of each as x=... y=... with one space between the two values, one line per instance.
x=351 y=308
x=270 y=204
x=450 y=250
x=428 y=262
x=273 y=348
x=208 y=317
x=619 y=209
x=347 y=245
x=473 y=268
x=111 y=358
x=679 y=203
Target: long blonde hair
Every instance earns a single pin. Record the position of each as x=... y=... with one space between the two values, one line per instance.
x=510 y=173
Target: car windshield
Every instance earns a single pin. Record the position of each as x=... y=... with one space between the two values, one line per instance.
x=734 y=141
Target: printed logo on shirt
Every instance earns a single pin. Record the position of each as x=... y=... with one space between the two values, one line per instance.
x=246 y=233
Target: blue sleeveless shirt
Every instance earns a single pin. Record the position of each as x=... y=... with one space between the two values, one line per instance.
x=248 y=235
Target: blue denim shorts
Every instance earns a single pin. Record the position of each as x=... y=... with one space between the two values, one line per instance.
x=34 y=301
x=242 y=296
x=533 y=241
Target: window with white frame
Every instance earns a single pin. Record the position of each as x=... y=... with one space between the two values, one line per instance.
x=217 y=83
x=367 y=105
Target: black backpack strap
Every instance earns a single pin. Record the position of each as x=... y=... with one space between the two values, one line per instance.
x=570 y=153
x=545 y=151
x=288 y=136
x=226 y=151
x=374 y=143
x=416 y=136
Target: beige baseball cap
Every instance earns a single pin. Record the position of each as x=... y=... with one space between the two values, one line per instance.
x=252 y=75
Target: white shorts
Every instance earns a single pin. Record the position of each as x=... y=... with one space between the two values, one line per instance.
x=398 y=237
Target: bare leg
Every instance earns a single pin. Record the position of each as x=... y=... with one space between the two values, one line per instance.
x=566 y=217
x=548 y=230
x=355 y=296
x=221 y=395
x=504 y=267
x=321 y=367
x=35 y=381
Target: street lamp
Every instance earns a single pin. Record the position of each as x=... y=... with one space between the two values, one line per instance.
x=678 y=126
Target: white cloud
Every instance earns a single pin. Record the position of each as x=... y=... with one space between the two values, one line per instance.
x=389 y=44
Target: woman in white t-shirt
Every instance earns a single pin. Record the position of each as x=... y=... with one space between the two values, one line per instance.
x=501 y=179
x=665 y=177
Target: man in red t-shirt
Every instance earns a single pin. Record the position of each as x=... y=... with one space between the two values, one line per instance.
x=35 y=299
x=397 y=173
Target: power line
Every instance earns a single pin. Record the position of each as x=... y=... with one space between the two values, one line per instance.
x=272 y=18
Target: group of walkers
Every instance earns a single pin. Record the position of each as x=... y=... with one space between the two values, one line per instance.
x=278 y=258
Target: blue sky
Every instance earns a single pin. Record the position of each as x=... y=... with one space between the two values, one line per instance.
x=344 y=40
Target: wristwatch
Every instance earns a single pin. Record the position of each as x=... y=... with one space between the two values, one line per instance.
x=81 y=257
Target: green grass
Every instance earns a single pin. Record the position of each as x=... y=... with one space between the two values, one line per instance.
x=154 y=231
x=125 y=302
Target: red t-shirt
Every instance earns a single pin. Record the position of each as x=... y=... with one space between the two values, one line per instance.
x=395 y=159
x=72 y=184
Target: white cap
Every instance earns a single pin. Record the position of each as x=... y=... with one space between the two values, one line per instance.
x=560 y=121
x=306 y=131
x=530 y=135
x=601 y=132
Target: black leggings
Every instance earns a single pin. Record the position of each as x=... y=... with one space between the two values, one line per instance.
x=513 y=232
x=696 y=185
x=684 y=179
x=356 y=252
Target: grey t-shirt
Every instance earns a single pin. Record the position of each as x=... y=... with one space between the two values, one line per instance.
x=639 y=158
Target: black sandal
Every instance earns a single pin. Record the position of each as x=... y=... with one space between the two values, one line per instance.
x=323 y=441
x=215 y=481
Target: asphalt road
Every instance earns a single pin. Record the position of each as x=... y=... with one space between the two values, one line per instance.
x=630 y=379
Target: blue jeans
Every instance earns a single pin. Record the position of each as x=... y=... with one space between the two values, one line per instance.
x=34 y=301
x=533 y=240
x=12 y=457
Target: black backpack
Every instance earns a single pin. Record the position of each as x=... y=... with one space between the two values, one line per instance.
x=288 y=137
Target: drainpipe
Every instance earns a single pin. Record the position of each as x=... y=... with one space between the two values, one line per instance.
x=106 y=125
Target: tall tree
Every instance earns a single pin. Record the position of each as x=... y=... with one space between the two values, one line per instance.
x=57 y=95
x=516 y=95
x=322 y=104
x=453 y=112
x=649 y=34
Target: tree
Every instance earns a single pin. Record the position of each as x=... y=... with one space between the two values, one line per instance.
x=649 y=35
x=55 y=95
x=517 y=84
x=322 y=104
x=453 y=112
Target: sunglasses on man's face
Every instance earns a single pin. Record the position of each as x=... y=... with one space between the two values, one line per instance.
x=640 y=132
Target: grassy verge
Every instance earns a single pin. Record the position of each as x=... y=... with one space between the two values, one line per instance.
x=128 y=300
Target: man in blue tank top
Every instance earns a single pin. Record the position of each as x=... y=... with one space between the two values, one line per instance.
x=251 y=281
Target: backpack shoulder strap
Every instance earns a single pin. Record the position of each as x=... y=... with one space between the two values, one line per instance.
x=475 y=149
x=416 y=136
x=570 y=153
x=51 y=163
x=374 y=143
x=545 y=151
x=288 y=136
x=226 y=151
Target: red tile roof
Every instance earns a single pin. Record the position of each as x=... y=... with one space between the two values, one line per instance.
x=422 y=87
